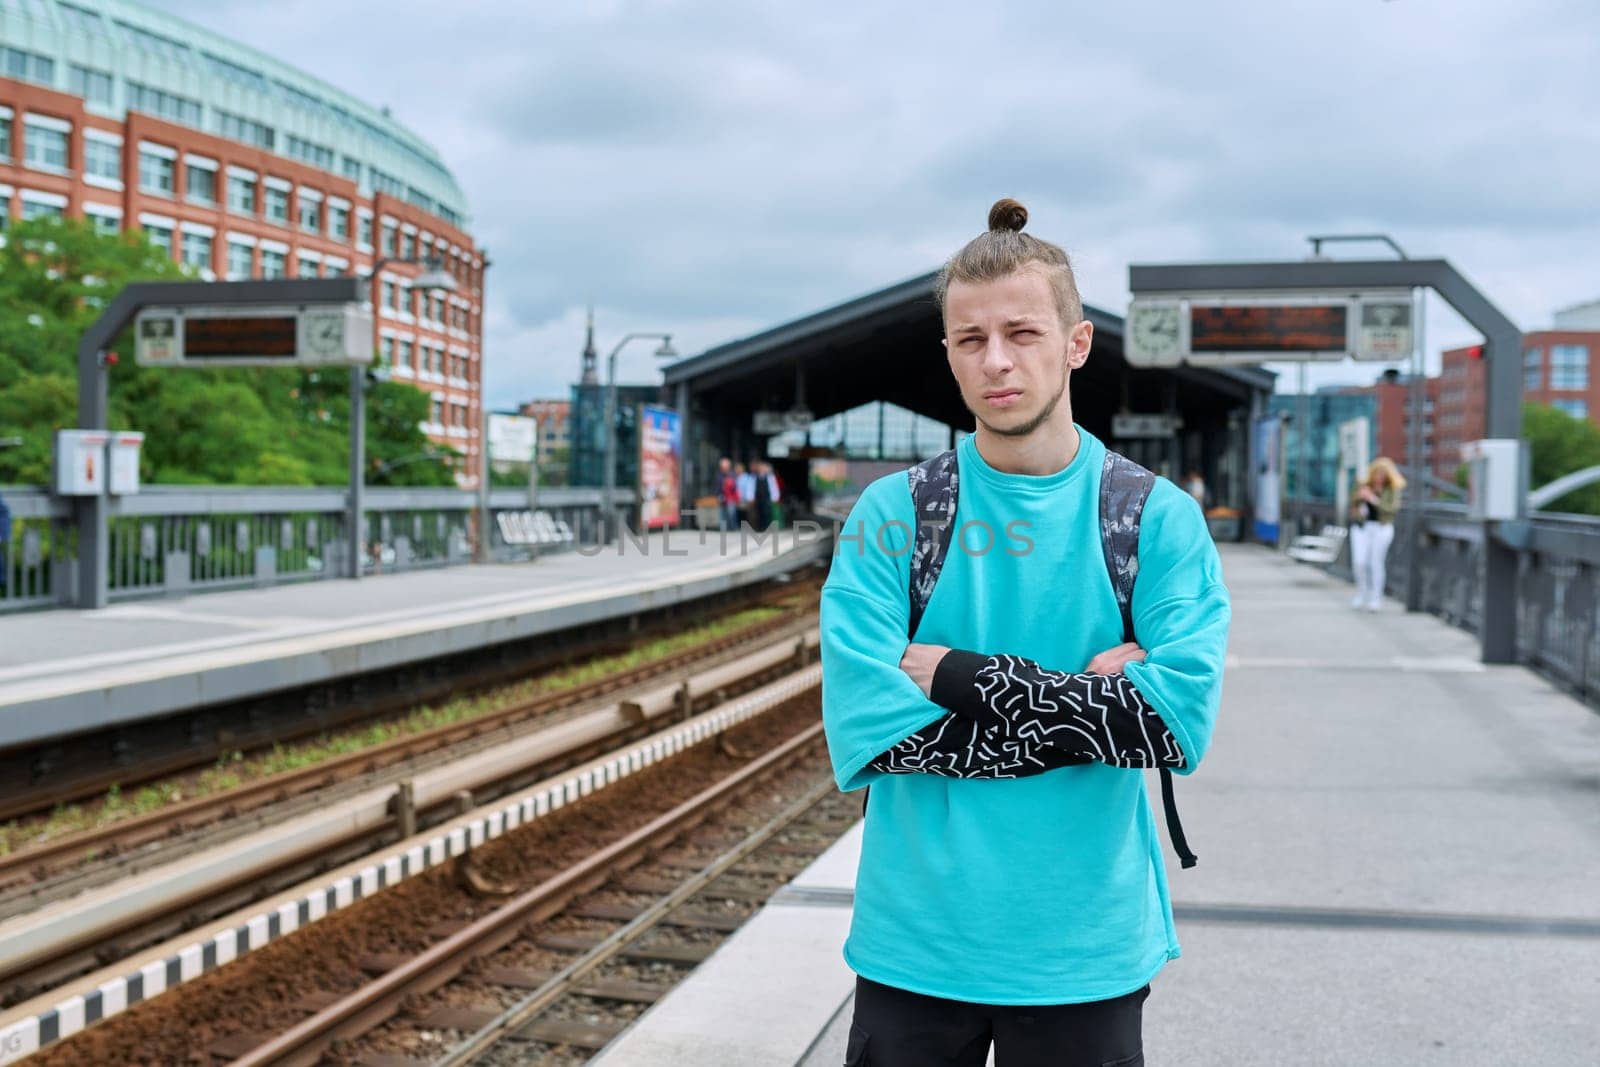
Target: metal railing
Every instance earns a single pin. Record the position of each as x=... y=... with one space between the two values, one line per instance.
x=171 y=540
x=1558 y=585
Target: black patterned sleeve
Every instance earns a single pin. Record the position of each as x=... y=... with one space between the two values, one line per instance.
x=1100 y=715
x=957 y=747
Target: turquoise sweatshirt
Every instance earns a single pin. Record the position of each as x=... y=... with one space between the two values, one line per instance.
x=1047 y=889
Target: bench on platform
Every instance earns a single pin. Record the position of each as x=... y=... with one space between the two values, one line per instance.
x=534 y=529
x=1323 y=547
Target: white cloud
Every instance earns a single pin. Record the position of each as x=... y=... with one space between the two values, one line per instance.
x=713 y=169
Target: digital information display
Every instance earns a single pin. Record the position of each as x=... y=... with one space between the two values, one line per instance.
x=1269 y=329
x=254 y=336
x=261 y=337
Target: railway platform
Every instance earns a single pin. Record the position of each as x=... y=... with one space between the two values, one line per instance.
x=1399 y=851
x=65 y=672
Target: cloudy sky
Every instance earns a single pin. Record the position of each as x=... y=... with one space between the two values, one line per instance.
x=716 y=168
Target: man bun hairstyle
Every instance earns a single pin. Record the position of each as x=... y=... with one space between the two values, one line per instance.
x=1003 y=251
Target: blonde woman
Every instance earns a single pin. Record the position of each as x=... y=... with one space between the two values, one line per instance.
x=1372 y=509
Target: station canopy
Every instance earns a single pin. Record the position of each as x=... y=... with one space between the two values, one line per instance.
x=886 y=346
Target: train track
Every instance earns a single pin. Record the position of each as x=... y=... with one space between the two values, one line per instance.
x=38 y=778
x=35 y=862
x=358 y=1013
x=463 y=909
x=179 y=893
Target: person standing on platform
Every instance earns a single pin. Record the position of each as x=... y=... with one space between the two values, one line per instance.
x=727 y=495
x=5 y=544
x=1373 y=507
x=764 y=493
x=1011 y=889
x=745 y=482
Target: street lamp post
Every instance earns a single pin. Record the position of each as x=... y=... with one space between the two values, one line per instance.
x=433 y=277
x=607 y=497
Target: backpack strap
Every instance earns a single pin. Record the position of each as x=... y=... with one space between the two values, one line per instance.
x=1124 y=488
x=934 y=485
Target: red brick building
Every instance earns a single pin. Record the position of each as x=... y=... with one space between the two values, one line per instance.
x=243 y=167
x=555 y=428
x=1393 y=395
x=1558 y=369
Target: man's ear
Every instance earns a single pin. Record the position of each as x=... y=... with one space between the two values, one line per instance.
x=1079 y=342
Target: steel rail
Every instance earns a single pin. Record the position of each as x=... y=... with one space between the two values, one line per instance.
x=375 y=1002
x=538 y=1001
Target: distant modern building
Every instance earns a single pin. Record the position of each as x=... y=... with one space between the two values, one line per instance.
x=1327 y=409
x=238 y=166
x=587 y=464
x=1585 y=316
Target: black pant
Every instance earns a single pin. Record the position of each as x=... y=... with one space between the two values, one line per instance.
x=894 y=1028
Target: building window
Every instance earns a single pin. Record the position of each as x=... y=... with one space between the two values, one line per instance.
x=388 y=239
x=364 y=231
x=273 y=263
x=39 y=209
x=238 y=128
x=350 y=168
x=200 y=184
x=27 y=66
x=276 y=203
x=46 y=144
x=309 y=268
x=104 y=224
x=387 y=298
x=1532 y=369
x=1569 y=367
x=386 y=351
x=93 y=85
x=308 y=152
x=338 y=222
x=5 y=210
x=240 y=261
x=1578 y=409
x=197 y=250
x=161 y=237
x=5 y=135
x=438 y=412
x=164 y=105
x=156 y=173
x=405 y=353
x=310 y=214
x=241 y=194
x=408 y=246
x=102 y=159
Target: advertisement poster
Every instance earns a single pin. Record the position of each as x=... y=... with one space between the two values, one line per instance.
x=660 y=466
x=1267 y=462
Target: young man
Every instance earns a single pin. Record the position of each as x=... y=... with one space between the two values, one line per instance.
x=1011 y=888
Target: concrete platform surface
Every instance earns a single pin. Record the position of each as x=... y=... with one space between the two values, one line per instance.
x=70 y=670
x=1399 y=863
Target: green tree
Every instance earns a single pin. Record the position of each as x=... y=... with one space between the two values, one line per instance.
x=1561 y=444
x=251 y=426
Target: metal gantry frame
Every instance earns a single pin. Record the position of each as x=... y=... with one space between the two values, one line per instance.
x=91 y=512
x=1502 y=353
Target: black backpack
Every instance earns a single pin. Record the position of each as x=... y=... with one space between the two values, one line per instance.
x=1124 y=488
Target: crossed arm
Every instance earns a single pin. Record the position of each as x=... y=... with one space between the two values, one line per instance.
x=1009 y=717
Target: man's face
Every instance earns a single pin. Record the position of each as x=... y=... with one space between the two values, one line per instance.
x=1009 y=351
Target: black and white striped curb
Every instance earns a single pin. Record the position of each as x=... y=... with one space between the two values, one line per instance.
x=74 y=1014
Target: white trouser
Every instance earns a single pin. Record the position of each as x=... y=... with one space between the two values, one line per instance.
x=1369 y=550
